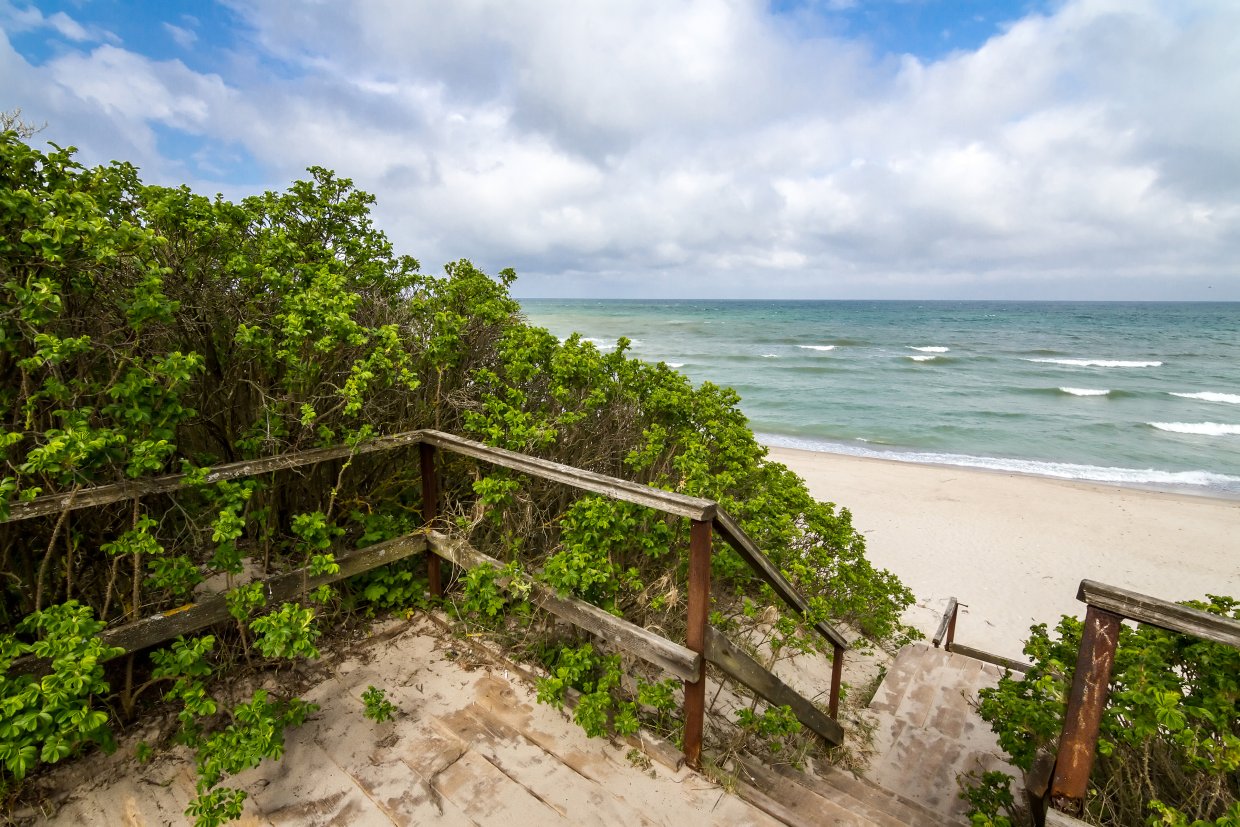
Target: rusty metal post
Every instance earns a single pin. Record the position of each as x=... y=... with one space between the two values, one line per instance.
x=695 y=638
x=837 y=674
x=1079 y=739
x=430 y=512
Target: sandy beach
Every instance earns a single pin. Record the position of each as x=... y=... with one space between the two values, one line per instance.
x=1014 y=547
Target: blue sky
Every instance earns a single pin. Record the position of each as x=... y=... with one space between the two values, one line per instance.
x=1074 y=149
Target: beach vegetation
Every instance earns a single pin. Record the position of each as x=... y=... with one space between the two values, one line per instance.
x=1169 y=745
x=377 y=706
x=148 y=330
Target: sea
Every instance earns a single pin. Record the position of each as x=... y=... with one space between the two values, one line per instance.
x=1139 y=394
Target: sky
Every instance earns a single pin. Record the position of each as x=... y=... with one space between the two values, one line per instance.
x=881 y=149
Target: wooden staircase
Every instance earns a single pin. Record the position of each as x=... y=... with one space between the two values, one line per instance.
x=471 y=746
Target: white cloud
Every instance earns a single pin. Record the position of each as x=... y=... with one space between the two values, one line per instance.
x=703 y=146
x=68 y=27
x=183 y=37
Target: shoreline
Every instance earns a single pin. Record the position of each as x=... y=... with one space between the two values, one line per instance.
x=1013 y=547
x=769 y=442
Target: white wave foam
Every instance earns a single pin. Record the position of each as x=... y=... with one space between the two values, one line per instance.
x=1086 y=391
x=1098 y=363
x=770 y=355
x=1058 y=470
x=931 y=349
x=601 y=344
x=675 y=364
x=817 y=347
x=1198 y=428
x=922 y=358
x=1232 y=398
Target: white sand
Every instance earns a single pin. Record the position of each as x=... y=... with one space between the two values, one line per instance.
x=1014 y=548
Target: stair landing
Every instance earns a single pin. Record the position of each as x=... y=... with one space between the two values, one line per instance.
x=469 y=746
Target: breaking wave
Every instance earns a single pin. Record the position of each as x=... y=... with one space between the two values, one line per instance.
x=1197 y=428
x=1231 y=398
x=1098 y=363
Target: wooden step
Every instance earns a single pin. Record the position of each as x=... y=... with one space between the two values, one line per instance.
x=837 y=797
x=928 y=733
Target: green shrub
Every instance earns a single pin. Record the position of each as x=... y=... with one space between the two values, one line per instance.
x=1169 y=745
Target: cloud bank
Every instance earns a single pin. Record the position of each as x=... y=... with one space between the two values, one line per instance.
x=698 y=148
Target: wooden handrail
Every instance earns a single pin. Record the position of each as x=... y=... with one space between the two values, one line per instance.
x=116 y=492
x=706 y=514
x=652 y=648
x=737 y=664
x=213 y=608
x=1161 y=613
x=668 y=502
x=1106 y=608
x=761 y=565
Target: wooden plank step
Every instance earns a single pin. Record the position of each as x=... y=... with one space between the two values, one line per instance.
x=490 y=798
x=662 y=796
x=901 y=676
x=557 y=785
x=307 y=788
x=878 y=802
x=802 y=807
x=395 y=766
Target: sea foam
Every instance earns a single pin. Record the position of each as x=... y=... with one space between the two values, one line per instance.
x=922 y=358
x=931 y=349
x=1198 y=428
x=1086 y=391
x=817 y=347
x=1098 y=363
x=1232 y=398
x=1058 y=470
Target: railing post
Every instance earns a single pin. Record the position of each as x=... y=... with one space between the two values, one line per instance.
x=1083 y=717
x=837 y=674
x=951 y=627
x=695 y=638
x=430 y=512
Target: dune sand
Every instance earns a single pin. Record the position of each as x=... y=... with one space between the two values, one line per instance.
x=1014 y=548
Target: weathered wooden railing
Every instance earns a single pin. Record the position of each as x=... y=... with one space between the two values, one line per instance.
x=703 y=643
x=707 y=517
x=1107 y=607
x=946 y=635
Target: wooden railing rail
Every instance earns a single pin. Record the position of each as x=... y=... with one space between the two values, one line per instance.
x=668 y=502
x=650 y=647
x=1107 y=607
x=117 y=492
x=706 y=515
x=946 y=635
x=164 y=626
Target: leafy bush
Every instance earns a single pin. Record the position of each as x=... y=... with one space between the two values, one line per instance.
x=1169 y=745
x=47 y=720
x=148 y=330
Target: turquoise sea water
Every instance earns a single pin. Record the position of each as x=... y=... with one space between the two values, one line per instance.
x=1143 y=394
